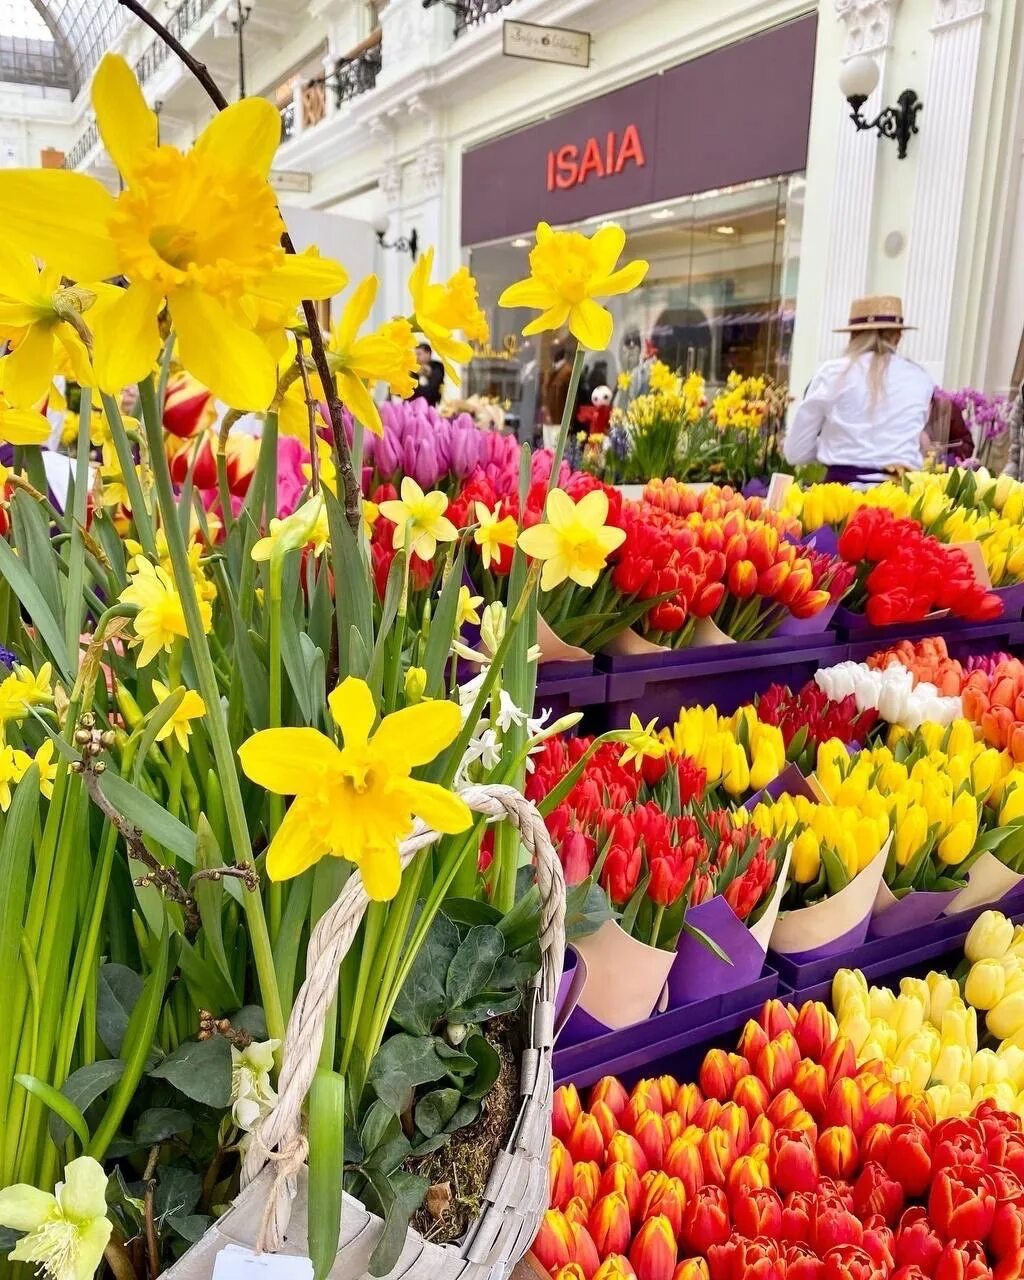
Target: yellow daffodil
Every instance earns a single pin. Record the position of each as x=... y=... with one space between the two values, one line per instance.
x=441 y=309
x=161 y=617
x=37 y=318
x=47 y=766
x=623 y=381
x=423 y=515
x=575 y=542
x=307 y=525
x=389 y=355
x=21 y=426
x=415 y=685
x=23 y=689
x=13 y=764
x=191 y=707
x=64 y=1233
x=642 y=743
x=371 y=514
x=359 y=800
x=494 y=533
x=469 y=604
x=326 y=469
x=568 y=272
x=199 y=230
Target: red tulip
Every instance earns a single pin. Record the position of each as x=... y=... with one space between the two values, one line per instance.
x=758 y=1212
x=186 y=406
x=560 y=1175
x=958 y=1141
x=833 y=1225
x=879 y=1241
x=622 y=1177
x=784 y=1106
x=777 y=1062
x=747 y=1174
x=838 y=1156
x=705 y=1220
x=707 y=1113
x=717 y=1078
x=688 y=1101
x=624 y=1147
x=584 y=1250
x=876 y=1192
x=917 y=1244
x=797 y=1212
x=876 y=1143
x=666 y=1196
x=612 y=1093
x=615 y=1267
x=653 y=1251
x=881 y=1102
x=586 y=1141
x=554 y=1244
x=851 y=1262
x=776 y=1017
x=810 y=1085
x=683 y=1161
x=963 y=1262
x=761 y=1131
x=792 y=1162
x=962 y=1203
x=606 y=1120
x=739 y=1259
x=910 y=1272
x=1006 y=1239
x=814 y=1029
x=802 y=1263
x=909 y=1158
x=839 y=1060
x=846 y=1106
x=650 y=1133
x=1006 y=1149
x=913 y=1107
x=566 y=1109
x=751 y=1094
x=753 y=1039
x=610 y=1224
x=586 y=1179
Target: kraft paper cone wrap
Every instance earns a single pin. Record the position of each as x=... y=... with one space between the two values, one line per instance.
x=625 y=978
x=834 y=919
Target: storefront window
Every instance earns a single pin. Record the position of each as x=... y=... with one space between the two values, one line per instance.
x=719 y=297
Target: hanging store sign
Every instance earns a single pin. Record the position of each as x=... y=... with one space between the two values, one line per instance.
x=290 y=180
x=729 y=117
x=546 y=44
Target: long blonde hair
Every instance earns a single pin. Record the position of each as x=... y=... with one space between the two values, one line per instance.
x=880 y=345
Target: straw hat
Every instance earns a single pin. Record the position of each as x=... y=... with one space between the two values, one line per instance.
x=884 y=311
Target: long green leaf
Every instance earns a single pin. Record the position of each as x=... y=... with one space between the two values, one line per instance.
x=15 y=860
x=326 y=1167
x=442 y=629
x=59 y=1105
x=151 y=818
x=24 y=587
x=73 y=610
x=352 y=583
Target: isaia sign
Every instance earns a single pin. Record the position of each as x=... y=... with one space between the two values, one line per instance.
x=571 y=166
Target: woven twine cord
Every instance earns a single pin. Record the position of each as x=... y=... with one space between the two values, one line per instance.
x=278 y=1139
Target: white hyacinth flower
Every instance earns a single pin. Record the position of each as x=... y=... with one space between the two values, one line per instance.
x=252 y=1095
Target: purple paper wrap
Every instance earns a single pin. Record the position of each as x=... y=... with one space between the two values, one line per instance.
x=911 y=912
x=807 y=626
x=853 y=937
x=825 y=540
x=697 y=971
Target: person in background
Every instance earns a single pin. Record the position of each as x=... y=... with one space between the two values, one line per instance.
x=431 y=376
x=866 y=412
x=1015 y=458
x=556 y=385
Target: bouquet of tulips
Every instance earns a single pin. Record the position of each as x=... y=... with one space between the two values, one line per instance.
x=739 y=754
x=810 y=717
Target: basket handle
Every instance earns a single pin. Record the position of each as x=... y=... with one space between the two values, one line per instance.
x=278 y=1138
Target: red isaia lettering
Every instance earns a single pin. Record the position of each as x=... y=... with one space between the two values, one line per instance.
x=600 y=159
x=631 y=149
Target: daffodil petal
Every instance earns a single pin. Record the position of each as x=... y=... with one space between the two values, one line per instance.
x=419 y=277
x=62 y=217
x=381 y=871
x=23 y=1208
x=591 y=325
x=23 y=426
x=360 y=403
x=217 y=350
x=592 y=508
x=302 y=275
x=126 y=124
x=18 y=274
x=357 y=309
x=244 y=136
x=126 y=339
x=415 y=735
x=554 y=573
x=77 y=355
x=554 y=318
x=287 y=761
x=607 y=244
x=623 y=281
x=560 y=508
x=29 y=369
x=528 y=293
x=540 y=541
x=296 y=844
x=438 y=807
x=353 y=711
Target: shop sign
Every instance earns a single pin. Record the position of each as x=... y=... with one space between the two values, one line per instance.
x=731 y=116
x=290 y=180
x=546 y=44
x=509 y=349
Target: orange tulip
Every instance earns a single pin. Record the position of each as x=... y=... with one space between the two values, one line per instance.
x=668 y=1087
x=577 y=1211
x=554 y=1245
x=814 y=1030
x=875 y=1143
x=606 y=1120
x=837 y=1152
x=586 y=1179
x=584 y=1250
x=839 y=1060
x=761 y=1131
x=650 y=1092
x=683 y=1161
x=692 y=1269
x=734 y=1121
x=881 y=1102
x=783 y=1106
x=751 y=1094
x=622 y=1177
x=688 y=1101
x=615 y=1267
x=846 y=1106
x=666 y=1196
x=624 y=1147
x=610 y=1224
x=708 y=1113
x=560 y=1175
x=718 y=1154
x=586 y=1141
x=566 y=1109
x=810 y=1084
x=650 y=1133
x=746 y=1175
x=571 y=1271
x=653 y=1252
x=753 y=1039
x=612 y=1093
x=777 y=1061
x=717 y=1077
x=674 y=1126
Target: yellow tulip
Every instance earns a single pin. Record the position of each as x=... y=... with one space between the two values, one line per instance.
x=953 y=1065
x=736 y=778
x=806 y=860
x=960 y=1026
x=990 y=937
x=884 y=1034
x=987 y=1069
x=910 y=835
x=910 y=1013
x=915 y=988
x=958 y=842
x=1013 y=798
x=944 y=994
x=1007 y=1017
x=986 y=984
x=959 y=738
x=1001 y=1093
x=764 y=767
x=882 y=1003
x=857 y=1029
x=1012 y=1058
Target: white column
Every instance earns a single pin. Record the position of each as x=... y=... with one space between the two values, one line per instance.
x=868 y=25
x=414 y=38
x=943 y=143
x=298 y=114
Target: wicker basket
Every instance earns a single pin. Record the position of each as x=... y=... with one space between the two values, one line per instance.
x=270 y=1212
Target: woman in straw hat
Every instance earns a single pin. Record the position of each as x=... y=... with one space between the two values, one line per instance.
x=865 y=413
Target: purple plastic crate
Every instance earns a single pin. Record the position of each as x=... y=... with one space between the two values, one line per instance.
x=588 y=1060
x=569 y=686
x=1013 y=601
x=660 y=689
x=981 y=638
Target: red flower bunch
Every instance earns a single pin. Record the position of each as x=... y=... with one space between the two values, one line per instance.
x=783 y=1161
x=904 y=574
x=808 y=717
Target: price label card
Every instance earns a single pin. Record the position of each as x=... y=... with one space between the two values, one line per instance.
x=238 y=1263
x=778 y=487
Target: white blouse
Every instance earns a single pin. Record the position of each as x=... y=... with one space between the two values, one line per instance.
x=837 y=425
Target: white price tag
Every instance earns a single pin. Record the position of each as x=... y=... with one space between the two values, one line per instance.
x=238 y=1263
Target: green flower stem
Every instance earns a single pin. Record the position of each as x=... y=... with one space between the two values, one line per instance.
x=371 y=956
x=275 y=890
x=567 y=413
x=140 y=512
x=209 y=689
x=76 y=564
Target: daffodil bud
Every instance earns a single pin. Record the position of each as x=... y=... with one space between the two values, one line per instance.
x=415 y=685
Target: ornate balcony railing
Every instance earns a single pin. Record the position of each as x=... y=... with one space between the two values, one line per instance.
x=357 y=72
x=179 y=25
x=82 y=147
x=287 y=121
x=471 y=13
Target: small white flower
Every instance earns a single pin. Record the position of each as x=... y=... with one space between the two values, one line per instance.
x=508 y=713
x=67 y=1232
x=252 y=1095
x=492 y=626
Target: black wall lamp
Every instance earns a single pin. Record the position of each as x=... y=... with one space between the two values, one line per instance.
x=858 y=80
x=409 y=244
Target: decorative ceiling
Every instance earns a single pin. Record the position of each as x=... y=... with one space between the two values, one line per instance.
x=55 y=42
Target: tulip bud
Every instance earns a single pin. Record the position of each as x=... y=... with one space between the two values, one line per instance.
x=761 y=1131
x=962 y=1203
x=623 y=1178
x=688 y=1101
x=733 y=1121
x=990 y=937
x=707 y=1113
x=776 y=1017
x=648 y=1091
x=784 y=1106
x=625 y=1147
x=653 y=1251
x=986 y=984
x=554 y=1245
x=706 y=1220
x=748 y=1173
x=692 y=1269
x=650 y=1133
x=615 y=1267
x=777 y=1062
x=838 y=1156
x=610 y=1224
x=753 y=1039
x=565 y=1111
x=584 y=1250
x=815 y=1029
x=917 y=1244
x=880 y=1102
x=757 y=1212
x=796 y=1215
x=683 y=1161
x=612 y=1093
x=717 y=1078
x=586 y=1179
x=560 y=1175
x=810 y=1086
x=577 y=1211
x=793 y=1162
x=846 y=1105
x=666 y=1196
x=605 y=1119
x=876 y=1192
x=571 y=1271
x=751 y=1094
x=839 y=1060
x=586 y=1142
